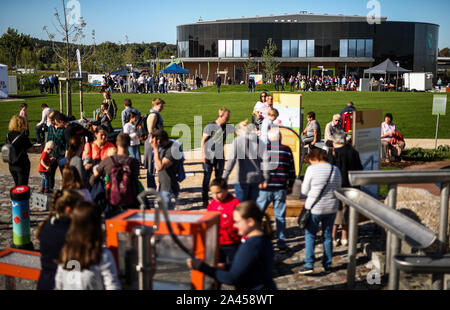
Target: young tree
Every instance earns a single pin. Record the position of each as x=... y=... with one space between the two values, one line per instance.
x=268 y=56
x=72 y=33
x=250 y=66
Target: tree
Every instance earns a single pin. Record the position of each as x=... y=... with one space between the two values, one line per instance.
x=445 y=52
x=12 y=44
x=131 y=55
x=268 y=56
x=109 y=57
x=167 y=51
x=250 y=66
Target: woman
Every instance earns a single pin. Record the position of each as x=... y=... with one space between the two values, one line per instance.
x=392 y=143
x=96 y=151
x=75 y=151
x=84 y=245
x=253 y=262
x=312 y=133
x=23 y=113
x=257 y=116
x=71 y=179
x=104 y=116
x=51 y=234
x=20 y=168
x=55 y=134
x=321 y=179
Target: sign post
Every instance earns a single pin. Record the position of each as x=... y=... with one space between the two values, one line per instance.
x=439 y=108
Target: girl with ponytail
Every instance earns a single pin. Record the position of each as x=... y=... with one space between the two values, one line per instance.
x=253 y=263
x=51 y=234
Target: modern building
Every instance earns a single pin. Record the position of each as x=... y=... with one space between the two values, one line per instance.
x=342 y=45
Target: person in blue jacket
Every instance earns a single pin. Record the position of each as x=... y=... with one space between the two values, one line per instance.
x=253 y=262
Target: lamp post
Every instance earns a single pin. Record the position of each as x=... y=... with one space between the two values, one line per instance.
x=396 y=82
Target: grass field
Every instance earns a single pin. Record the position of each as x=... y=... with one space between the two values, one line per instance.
x=412 y=111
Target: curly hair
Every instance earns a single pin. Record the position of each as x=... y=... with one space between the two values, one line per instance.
x=17 y=123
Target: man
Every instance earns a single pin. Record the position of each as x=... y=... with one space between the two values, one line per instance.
x=161 y=84
x=126 y=112
x=281 y=180
x=42 y=82
x=218 y=82
x=122 y=157
x=154 y=122
x=212 y=146
x=42 y=127
x=141 y=82
x=332 y=128
x=166 y=163
x=51 y=83
x=112 y=107
x=312 y=133
x=347 y=116
x=151 y=84
x=56 y=82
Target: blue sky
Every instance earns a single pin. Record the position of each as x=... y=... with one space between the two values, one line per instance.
x=156 y=20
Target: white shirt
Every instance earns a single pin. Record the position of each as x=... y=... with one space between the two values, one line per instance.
x=44 y=118
x=130 y=129
x=161 y=80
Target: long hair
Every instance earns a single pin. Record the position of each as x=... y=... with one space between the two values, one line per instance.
x=74 y=144
x=17 y=123
x=249 y=209
x=71 y=178
x=84 y=240
x=61 y=199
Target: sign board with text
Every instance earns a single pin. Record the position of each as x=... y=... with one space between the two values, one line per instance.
x=439 y=105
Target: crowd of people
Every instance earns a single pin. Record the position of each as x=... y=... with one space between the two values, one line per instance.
x=49 y=85
x=100 y=179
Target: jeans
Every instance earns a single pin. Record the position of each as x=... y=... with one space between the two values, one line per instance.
x=45 y=180
x=311 y=230
x=168 y=199
x=278 y=197
x=218 y=165
x=244 y=192
x=61 y=163
x=40 y=130
x=135 y=152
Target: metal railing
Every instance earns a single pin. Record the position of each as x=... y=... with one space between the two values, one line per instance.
x=393 y=242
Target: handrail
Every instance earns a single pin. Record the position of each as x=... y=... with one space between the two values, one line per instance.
x=358 y=178
x=414 y=233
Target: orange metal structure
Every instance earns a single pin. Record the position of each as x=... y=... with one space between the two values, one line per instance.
x=196 y=224
x=18 y=271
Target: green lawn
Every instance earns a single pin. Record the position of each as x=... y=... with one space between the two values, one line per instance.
x=411 y=111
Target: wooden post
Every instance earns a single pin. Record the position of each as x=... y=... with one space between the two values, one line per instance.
x=81 y=100
x=61 y=103
x=69 y=99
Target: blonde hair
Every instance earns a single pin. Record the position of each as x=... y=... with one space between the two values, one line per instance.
x=50 y=144
x=273 y=112
x=158 y=101
x=17 y=123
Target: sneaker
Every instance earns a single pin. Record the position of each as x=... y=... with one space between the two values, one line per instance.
x=335 y=242
x=327 y=270
x=344 y=242
x=305 y=270
x=283 y=248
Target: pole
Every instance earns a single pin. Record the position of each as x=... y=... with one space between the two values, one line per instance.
x=438 y=279
x=81 y=100
x=393 y=244
x=437 y=129
x=352 y=247
x=61 y=97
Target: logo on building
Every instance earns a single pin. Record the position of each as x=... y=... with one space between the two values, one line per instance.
x=374 y=16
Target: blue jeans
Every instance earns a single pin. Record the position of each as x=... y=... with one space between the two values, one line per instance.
x=39 y=132
x=244 y=192
x=45 y=180
x=61 y=163
x=169 y=199
x=311 y=230
x=278 y=197
x=135 y=152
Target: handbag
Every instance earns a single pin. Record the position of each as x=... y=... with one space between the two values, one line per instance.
x=305 y=214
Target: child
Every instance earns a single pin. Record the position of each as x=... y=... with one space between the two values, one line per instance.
x=130 y=129
x=44 y=166
x=23 y=113
x=252 y=265
x=268 y=123
x=51 y=234
x=84 y=264
x=225 y=202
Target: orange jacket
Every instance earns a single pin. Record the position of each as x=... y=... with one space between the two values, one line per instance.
x=92 y=151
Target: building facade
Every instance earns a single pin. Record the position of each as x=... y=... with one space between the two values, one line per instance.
x=342 y=45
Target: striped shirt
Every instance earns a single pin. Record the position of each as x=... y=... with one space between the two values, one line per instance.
x=283 y=174
x=316 y=176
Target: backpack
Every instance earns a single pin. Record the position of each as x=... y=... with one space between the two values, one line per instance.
x=122 y=187
x=9 y=154
x=347 y=121
x=112 y=109
x=181 y=173
x=141 y=128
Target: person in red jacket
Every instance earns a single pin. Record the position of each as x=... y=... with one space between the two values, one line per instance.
x=224 y=202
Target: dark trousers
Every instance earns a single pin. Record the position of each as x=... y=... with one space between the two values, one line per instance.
x=21 y=174
x=218 y=166
x=39 y=132
x=53 y=167
x=226 y=254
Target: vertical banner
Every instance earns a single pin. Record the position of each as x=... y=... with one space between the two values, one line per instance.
x=3 y=81
x=79 y=62
x=367 y=141
x=289 y=107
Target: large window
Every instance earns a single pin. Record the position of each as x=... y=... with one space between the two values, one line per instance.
x=183 y=49
x=294 y=48
x=237 y=48
x=233 y=48
x=222 y=49
x=245 y=48
x=356 y=48
x=310 y=48
x=285 y=49
x=343 y=48
x=302 y=48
